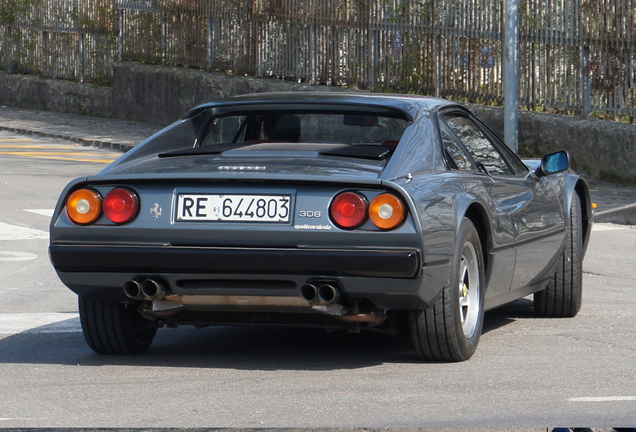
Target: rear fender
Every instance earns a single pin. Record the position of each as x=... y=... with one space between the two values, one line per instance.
x=61 y=202
x=573 y=183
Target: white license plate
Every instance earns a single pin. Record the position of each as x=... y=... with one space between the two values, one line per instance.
x=243 y=208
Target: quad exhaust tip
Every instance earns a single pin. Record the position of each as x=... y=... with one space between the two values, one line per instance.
x=149 y=288
x=132 y=289
x=153 y=289
x=309 y=292
x=324 y=293
x=328 y=294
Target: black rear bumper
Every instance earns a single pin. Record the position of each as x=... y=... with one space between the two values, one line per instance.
x=355 y=262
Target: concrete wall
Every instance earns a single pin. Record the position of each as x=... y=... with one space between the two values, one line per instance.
x=157 y=94
x=27 y=91
x=600 y=149
x=163 y=94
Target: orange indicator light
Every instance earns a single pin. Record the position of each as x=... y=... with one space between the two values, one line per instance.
x=387 y=211
x=84 y=206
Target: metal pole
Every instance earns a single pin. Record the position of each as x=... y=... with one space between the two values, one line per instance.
x=511 y=75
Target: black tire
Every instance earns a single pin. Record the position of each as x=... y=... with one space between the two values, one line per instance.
x=450 y=330
x=562 y=297
x=114 y=328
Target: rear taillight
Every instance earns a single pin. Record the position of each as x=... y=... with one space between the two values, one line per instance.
x=84 y=206
x=348 y=210
x=387 y=211
x=121 y=205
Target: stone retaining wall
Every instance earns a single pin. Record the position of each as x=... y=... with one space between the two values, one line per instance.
x=601 y=149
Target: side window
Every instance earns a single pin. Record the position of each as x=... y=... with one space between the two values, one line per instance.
x=510 y=156
x=455 y=150
x=478 y=144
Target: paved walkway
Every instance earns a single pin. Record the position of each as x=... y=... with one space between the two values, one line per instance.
x=616 y=203
x=93 y=131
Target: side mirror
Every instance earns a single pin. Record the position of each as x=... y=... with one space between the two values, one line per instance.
x=554 y=163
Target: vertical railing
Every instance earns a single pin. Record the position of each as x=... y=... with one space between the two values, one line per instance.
x=576 y=56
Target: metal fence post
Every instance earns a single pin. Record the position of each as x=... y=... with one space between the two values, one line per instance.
x=12 y=63
x=373 y=59
x=511 y=74
x=164 y=31
x=45 y=52
x=7 y=35
x=121 y=35
x=586 y=90
x=438 y=65
x=314 y=55
x=260 y=40
x=81 y=55
x=210 y=42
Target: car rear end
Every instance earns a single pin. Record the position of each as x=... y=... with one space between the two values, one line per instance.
x=252 y=213
x=347 y=249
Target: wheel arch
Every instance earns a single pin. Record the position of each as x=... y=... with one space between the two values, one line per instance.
x=478 y=216
x=575 y=184
x=582 y=189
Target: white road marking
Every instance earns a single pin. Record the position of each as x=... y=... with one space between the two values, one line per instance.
x=11 y=324
x=16 y=232
x=603 y=399
x=609 y=227
x=16 y=256
x=43 y=212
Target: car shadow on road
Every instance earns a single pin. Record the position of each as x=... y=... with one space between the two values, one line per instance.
x=507 y=314
x=242 y=348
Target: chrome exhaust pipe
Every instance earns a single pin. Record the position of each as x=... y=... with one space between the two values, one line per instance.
x=132 y=289
x=153 y=289
x=328 y=294
x=309 y=292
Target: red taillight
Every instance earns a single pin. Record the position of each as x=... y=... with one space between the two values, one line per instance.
x=84 y=206
x=348 y=210
x=121 y=205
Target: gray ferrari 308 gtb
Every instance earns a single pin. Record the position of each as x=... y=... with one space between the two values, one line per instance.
x=354 y=211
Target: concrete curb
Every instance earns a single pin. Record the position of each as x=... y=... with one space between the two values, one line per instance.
x=83 y=141
x=625 y=215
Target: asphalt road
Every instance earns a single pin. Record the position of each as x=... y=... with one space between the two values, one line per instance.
x=527 y=372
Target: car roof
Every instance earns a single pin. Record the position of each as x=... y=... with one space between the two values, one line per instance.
x=407 y=104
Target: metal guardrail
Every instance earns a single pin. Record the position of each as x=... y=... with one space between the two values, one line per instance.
x=576 y=56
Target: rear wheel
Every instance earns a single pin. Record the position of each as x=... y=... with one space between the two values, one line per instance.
x=114 y=328
x=562 y=297
x=450 y=330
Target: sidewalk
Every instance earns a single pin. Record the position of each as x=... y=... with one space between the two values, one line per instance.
x=616 y=203
x=90 y=131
